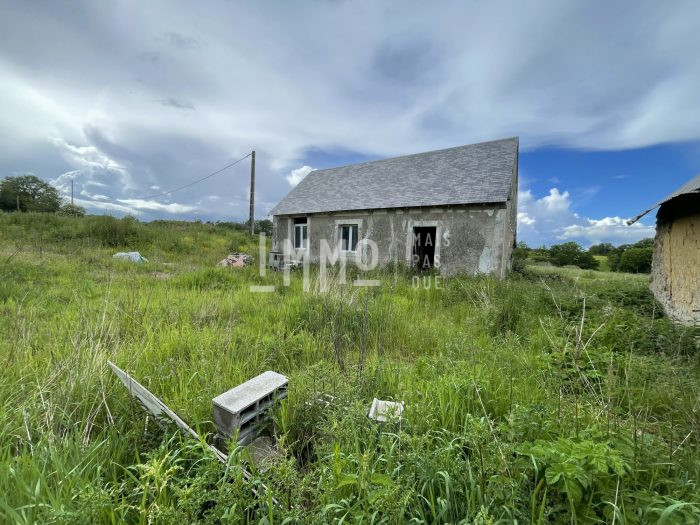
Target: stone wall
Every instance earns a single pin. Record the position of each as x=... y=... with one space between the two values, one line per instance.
x=470 y=238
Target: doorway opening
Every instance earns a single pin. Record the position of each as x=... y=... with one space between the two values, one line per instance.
x=424 y=239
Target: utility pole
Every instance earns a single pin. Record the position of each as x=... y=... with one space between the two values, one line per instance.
x=17 y=202
x=71 y=192
x=252 y=193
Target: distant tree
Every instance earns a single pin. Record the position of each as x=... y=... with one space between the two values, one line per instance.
x=540 y=254
x=28 y=193
x=264 y=226
x=570 y=253
x=614 y=259
x=636 y=260
x=604 y=248
x=71 y=210
x=633 y=258
x=645 y=243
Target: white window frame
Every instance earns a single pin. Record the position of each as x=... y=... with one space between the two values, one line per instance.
x=302 y=226
x=351 y=227
x=339 y=223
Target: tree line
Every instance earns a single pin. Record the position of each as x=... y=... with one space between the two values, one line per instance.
x=631 y=258
x=28 y=193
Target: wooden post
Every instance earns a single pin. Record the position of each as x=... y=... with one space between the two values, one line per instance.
x=252 y=193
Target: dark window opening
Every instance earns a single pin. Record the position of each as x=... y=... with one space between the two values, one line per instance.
x=424 y=239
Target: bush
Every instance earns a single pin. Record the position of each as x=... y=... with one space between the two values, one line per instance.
x=570 y=253
x=124 y=232
x=603 y=248
x=72 y=210
x=520 y=254
x=636 y=260
x=632 y=258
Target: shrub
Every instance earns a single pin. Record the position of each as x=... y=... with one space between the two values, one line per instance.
x=636 y=260
x=632 y=258
x=603 y=248
x=72 y=210
x=116 y=232
x=570 y=253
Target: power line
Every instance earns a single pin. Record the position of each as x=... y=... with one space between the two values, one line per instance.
x=194 y=182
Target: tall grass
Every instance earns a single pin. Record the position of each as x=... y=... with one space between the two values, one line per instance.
x=558 y=396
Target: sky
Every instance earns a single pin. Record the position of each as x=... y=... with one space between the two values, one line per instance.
x=129 y=99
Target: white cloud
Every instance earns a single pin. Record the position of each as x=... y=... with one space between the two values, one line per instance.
x=550 y=220
x=140 y=204
x=89 y=158
x=297 y=175
x=525 y=219
x=609 y=229
x=621 y=78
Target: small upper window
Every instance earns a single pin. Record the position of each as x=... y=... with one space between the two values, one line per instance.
x=301 y=233
x=347 y=235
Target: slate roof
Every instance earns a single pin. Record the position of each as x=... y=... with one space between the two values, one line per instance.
x=477 y=173
x=692 y=186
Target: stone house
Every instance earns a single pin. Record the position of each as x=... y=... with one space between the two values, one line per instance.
x=675 y=267
x=453 y=209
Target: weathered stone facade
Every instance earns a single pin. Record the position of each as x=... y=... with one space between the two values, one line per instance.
x=675 y=274
x=469 y=238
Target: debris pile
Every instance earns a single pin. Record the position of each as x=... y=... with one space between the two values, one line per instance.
x=236 y=260
x=130 y=256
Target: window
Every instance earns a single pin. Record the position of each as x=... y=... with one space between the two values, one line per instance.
x=301 y=234
x=347 y=235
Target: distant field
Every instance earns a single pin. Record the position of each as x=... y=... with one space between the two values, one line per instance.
x=556 y=396
x=602 y=262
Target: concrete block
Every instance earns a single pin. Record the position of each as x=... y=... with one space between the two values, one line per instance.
x=242 y=407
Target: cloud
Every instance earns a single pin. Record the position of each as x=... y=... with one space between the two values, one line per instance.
x=591 y=77
x=550 y=219
x=297 y=175
x=176 y=103
x=609 y=229
x=181 y=41
x=140 y=204
x=525 y=219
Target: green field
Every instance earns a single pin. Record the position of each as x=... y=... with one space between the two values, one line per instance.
x=603 y=265
x=556 y=396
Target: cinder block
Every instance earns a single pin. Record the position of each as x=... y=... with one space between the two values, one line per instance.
x=242 y=407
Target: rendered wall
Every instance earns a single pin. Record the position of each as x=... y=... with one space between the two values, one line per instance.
x=675 y=274
x=472 y=239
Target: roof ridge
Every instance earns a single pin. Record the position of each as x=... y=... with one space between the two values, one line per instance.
x=516 y=138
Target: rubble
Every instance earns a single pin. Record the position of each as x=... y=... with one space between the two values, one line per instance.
x=236 y=260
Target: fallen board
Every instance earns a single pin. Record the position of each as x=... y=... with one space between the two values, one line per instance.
x=159 y=409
